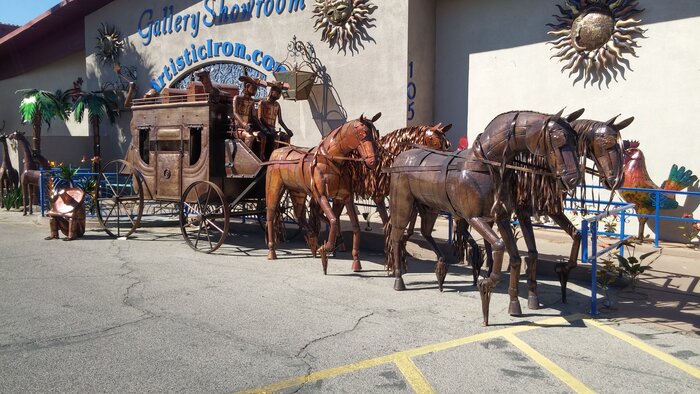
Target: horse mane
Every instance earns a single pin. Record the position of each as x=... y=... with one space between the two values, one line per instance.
x=371 y=182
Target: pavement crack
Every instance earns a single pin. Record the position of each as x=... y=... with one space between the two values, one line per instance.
x=309 y=368
x=67 y=340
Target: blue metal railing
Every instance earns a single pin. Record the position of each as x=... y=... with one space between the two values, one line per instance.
x=657 y=209
x=589 y=227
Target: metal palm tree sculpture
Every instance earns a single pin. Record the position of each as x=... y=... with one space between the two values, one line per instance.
x=98 y=105
x=41 y=105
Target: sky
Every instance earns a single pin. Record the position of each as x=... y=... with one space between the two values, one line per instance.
x=19 y=12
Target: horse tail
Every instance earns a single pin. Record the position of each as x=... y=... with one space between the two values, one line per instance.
x=388 y=250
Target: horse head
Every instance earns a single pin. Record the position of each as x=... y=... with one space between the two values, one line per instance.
x=365 y=140
x=603 y=144
x=16 y=135
x=435 y=138
x=558 y=145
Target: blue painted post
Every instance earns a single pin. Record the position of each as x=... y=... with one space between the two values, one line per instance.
x=594 y=268
x=656 y=218
x=623 y=215
x=584 y=242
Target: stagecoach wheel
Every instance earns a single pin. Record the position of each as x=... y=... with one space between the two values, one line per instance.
x=204 y=216
x=119 y=198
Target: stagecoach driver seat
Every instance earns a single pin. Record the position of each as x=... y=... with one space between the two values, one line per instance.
x=67 y=213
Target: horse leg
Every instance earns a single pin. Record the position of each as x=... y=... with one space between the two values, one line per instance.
x=25 y=197
x=381 y=209
x=338 y=206
x=412 y=224
x=474 y=256
x=533 y=301
x=511 y=246
x=274 y=189
x=33 y=190
x=487 y=285
x=350 y=207
x=563 y=269
x=332 y=233
x=427 y=223
x=299 y=206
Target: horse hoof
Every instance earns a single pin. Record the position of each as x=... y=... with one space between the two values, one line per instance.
x=356 y=266
x=514 y=308
x=399 y=285
x=485 y=293
x=533 y=302
x=272 y=255
x=324 y=261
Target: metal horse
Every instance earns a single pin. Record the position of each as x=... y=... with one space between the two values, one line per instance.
x=9 y=177
x=31 y=173
x=321 y=173
x=472 y=185
x=602 y=143
x=373 y=183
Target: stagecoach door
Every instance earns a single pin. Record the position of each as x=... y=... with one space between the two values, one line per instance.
x=170 y=149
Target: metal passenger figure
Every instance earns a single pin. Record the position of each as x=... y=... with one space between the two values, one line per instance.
x=270 y=112
x=247 y=125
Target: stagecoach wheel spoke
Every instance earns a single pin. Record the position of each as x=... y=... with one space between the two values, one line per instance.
x=204 y=225
x=119 y=199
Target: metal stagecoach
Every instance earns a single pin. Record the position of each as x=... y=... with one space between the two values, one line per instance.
x=183 y=153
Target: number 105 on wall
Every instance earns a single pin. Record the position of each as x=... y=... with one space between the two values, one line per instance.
x=412 y=92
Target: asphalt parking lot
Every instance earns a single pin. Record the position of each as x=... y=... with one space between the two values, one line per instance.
x=150 y=315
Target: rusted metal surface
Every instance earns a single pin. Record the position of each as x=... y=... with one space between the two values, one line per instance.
x=67 y=213
x=480 y=197
x=323 y=174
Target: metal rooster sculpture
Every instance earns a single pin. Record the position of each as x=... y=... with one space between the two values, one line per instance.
x=636 y=176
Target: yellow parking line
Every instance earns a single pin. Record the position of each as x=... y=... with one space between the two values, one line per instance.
x=414 y=376
x=695 y=372
x=333 y=372
x=548 y=365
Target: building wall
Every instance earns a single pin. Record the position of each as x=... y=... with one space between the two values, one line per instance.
x=492 y=57
x=62 y=142
x=369 y=80
x=421 y=62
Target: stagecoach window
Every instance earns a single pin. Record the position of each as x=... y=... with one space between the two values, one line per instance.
x=144 y=143
x=195 y=143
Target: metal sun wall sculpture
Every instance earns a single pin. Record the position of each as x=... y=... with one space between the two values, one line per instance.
x=344 y=22
x=593 y=37
x=110 y=44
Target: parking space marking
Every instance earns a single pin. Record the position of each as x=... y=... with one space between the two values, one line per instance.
x=399 y=356
x=547 y=364
x=667 y=358
x=414 y=376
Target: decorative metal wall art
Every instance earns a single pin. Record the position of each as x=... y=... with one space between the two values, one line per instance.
x=593 y=37
x=344 y=22
x=110 y=44
x=300 y=73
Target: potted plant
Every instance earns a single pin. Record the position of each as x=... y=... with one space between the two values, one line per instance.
x=632 y=267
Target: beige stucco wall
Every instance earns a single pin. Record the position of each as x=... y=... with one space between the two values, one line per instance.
x=368 y=81
x=421 y=61
x=492 y=58
x=63 y=142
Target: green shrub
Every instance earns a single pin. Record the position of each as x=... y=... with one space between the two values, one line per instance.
x=12 y=198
